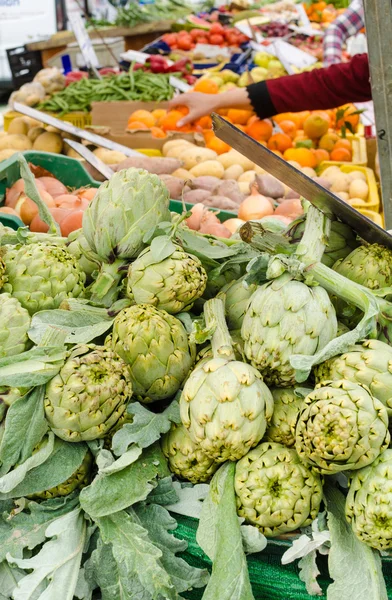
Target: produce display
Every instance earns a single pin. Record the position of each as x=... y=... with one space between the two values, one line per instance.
x=216 y=35
x=150 y=353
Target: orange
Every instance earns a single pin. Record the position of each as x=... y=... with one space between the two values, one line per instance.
x=143 y=116
x=321 y=155
x=208 y=135
x=341 y=155
x=260 y=130
x=343 y=143
x=206 y=86
x=239 y=116
x=280 y=141
x=278 y=153
x=348 y=116
x=137 y=125
x=301 y=116
x=288 y=127
x=223 y=112
x=328 y=141
x=204 y=122
x=289 y=116
x=157 y=132
x=217 y=145
x=324 y=114
x=182 y=109
x=302 y=156
x=158 y=114
x=253 y=119
x=316 y=126
x=169 y=123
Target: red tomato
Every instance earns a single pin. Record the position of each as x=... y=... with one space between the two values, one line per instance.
x=196 y=33
x=216 y=28
x=170 y=38
x=202 y=40
x=184 y=44
x=216 y=39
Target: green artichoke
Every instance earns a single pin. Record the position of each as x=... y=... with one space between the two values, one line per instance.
x=14 y=325
x=89 y=394
x=8 y=395
x=172 y=284
x=286 y=317
x=123 y=210
x=41 y=276
x=236 y=301
x=369 y=363
x=369 y=503
x=287 y=406
x=370 y=266
x=156 y=346
x=225 y=406
x=77 y=481
x=275 y=491
x=185 y=458
x=341 y=427
x=77 y=246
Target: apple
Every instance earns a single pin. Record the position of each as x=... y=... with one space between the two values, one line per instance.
x=261 y=59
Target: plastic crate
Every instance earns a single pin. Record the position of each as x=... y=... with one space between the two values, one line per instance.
x=79 y=119
x=108 y=52
x=373 y=203
x=24 y=64
x=67 y=170
x=359 y=148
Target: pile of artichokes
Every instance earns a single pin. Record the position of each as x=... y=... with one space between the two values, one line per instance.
x=113 y=354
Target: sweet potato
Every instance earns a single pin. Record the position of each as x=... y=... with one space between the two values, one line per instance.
x=221 y=202
x=291 y=194
x=230 y=189
x=174 y=185
x=270 y=186
x=205 y=182
x=196 y=196
x=156 y=165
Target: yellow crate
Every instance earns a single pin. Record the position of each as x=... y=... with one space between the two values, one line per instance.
x=373 y=203
x=79 y=119
x=373 y=216
x=359 y=149
x=152 y=152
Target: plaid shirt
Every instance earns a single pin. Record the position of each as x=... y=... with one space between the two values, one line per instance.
x=348 y=24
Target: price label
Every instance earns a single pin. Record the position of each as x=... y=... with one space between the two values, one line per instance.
x=211 y=51
x=303 y=17
x=291 y=57
x=139 y=57
x=180 y=85
x=83 y=40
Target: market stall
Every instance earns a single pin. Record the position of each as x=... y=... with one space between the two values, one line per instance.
x=195 y=369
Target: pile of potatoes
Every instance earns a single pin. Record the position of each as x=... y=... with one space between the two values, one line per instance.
x=25 y=133
x=351 y=187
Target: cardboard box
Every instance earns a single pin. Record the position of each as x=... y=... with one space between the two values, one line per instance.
x=110 y=120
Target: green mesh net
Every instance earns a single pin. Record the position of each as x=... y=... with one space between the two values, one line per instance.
x=269 y=578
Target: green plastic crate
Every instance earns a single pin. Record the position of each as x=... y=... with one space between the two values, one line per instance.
x=67 y=170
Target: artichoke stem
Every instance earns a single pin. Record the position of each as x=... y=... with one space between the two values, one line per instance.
x=221 y=342
x=317 y=229
x=267 y=241
x=105 y=289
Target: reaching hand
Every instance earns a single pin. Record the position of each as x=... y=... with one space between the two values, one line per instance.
x=198 y=104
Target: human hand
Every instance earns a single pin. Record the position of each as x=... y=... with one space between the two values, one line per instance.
x=198 y=104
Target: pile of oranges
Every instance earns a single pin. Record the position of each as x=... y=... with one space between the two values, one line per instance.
x=307 y=138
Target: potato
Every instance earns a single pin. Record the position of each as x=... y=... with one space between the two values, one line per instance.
x=159 y=165
x=72 y=153
x=357 y=175
x=196 y=155
x=18 y=125
x=309 y=172
x=182 y=174
x=294 y=164
x=15 y=141
x=331 y=173
x=32 y=122
x=51 y=129
x=173 y=143
x=49 y=142
x=357 y=202
x=340 y=183
x=35 y=132
x=270 y=186
x=3 y=134
x=178 y=150
x=233 y=172
x=358 y=189
x=4 y=154
x=244 y=187
x=259 y=170
x=208 y=167
x=343 y=195
x=235 y=158
x=109 y=157
x=248 y=176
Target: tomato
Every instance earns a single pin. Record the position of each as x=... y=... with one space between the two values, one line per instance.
x=196 y=33
x=216 y=39
x=184 y=43
x=170 y=38
x=216 y=28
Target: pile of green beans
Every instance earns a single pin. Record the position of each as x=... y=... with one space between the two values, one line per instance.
x=133 y=85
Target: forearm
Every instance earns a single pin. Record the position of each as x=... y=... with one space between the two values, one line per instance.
x=235 y=98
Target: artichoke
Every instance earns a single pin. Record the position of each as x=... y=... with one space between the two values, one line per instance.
x=369 y=503
x=287 y=406
x=341 y=427
x=156 y=346
x=369 y=363
x=8 y=395
x=286 y=317
x=77 y=481
x=275 y=491
x=14 y=325
x=41 y=276
x=89 y=394
x=370 y=266
x=77 y=246
x=185 y=458
x=225 y=406
x=123 y=210
x=236 y=301
x=172 y=284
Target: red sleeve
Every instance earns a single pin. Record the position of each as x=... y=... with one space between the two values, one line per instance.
x=312 y=90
